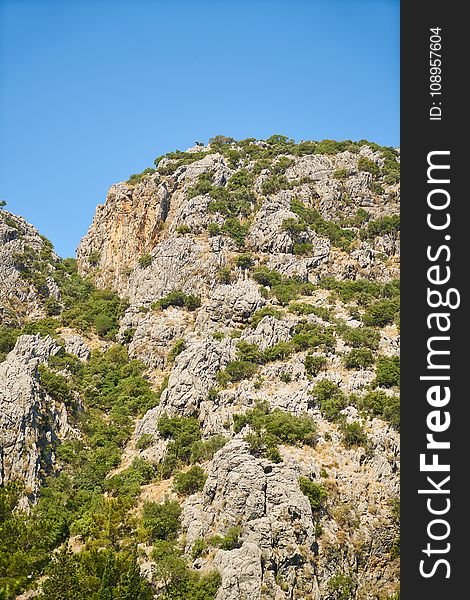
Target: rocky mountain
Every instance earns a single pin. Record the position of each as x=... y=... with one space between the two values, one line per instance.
x=210 y=393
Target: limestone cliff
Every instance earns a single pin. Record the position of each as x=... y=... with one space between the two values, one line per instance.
x=261 y=280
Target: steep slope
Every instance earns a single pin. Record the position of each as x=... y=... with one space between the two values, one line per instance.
x=262 y=305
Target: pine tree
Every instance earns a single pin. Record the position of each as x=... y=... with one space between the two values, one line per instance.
x=63 y=582
x=131 y=585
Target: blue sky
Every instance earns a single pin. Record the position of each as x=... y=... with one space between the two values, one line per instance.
x=92 y=91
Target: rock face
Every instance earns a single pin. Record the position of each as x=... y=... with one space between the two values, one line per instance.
x=249 y=269
x=285 y=549
x=144 y=219
x=30 y=421
x=276 y=517
x=123 y=229
x=18 y=296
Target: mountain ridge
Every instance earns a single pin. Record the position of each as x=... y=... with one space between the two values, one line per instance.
x=222 y=358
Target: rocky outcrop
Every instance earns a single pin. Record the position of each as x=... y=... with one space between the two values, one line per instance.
x=266 y=502
x=31 y=422
x=145 y=219
x=123 y=229
x=18 y=296
x=230 y=304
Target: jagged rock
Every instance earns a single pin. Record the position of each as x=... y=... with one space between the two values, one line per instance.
x=154 y=335
x=194 y=374
x=29 y=420
x=215 y=163
x=275 y=517
x=123 y=229
x=241 y=572
x=270 y=331
x=305 y=268
x=231 y=304
x=194 y=214
x=18 y=298
x=76 y=345
x=177 y=264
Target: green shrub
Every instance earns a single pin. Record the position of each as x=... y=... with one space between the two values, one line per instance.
x=178 y=347
x=128 y=335
x=313 y=335
x=129 y=481
x=359 y=358
x=379 y=404
x=389 y=224
x=294 y=226
x=341 y=587
x=229 y=541
x=179 y=299
x=244 y=261
x=267 y=277
x=8 y=337
x=353 y=290
x=183 y=229
x=62 y=361
x=99 y=310
x=308 y=309
x=360 y=337
x=314 y=364
x=224 y=275
x=315 y=492
x=340 y=238
x=43 y=327
x=190 y=481
x=202 y=187
x=276 y=427
x=279 y=351
x=145 y=441
x=330 y=398
x=284 y=289
x=183 y=432
x=110 y=381
x=302 y=248
x=275 y=183
x=205 y=450
x=145 y=261
x=361 y=217
x=236 y=370
x=236 y=230
x=95 y=573
x=177 y=159
x=367 y=165
x=291 y=429
x=213 y=229
x=136 y=177
x=285 y=377
x=353 y=435
x=174 y=577
x=381 y=313
x=391 y=170
x=199 y=548
x=94 y=258
x=249 y=352
x=376 y=188
x=161 y=521
x=387 y=371
x=341 y=173
x=55 y=385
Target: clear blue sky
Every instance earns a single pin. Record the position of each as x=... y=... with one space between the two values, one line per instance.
x=92 y=91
